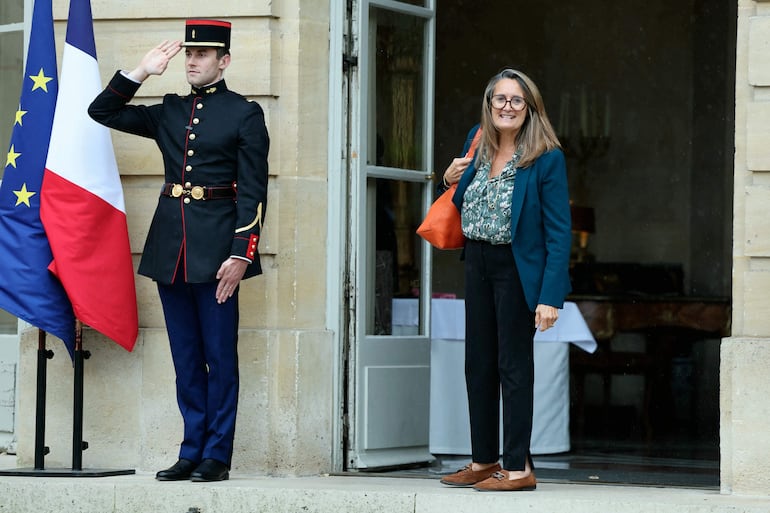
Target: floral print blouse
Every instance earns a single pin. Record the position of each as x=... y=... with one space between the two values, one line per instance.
x=486 y=212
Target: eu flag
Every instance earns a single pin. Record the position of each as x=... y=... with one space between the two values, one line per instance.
x=27 y=289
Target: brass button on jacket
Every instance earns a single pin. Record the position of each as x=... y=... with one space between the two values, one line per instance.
x=210 y=231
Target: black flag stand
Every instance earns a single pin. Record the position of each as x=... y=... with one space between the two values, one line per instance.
x=78 y=445
x=43 y=355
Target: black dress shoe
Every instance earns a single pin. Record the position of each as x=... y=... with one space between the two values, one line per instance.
x=177 y=472
x=210 y=470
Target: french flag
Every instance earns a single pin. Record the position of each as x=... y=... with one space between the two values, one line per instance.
x=81 y=204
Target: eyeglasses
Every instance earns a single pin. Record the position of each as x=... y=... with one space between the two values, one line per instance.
x=498 y=101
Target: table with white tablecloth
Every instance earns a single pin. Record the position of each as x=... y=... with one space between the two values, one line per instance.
x=449 y=424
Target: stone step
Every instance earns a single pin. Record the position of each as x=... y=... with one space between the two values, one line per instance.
x=141 y=493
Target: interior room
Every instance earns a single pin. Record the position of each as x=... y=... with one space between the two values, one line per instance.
x=641 y=96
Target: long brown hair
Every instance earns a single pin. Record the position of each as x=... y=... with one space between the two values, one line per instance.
x=536 y=136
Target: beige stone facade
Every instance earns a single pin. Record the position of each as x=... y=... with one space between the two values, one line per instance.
x=745 y=387
x=280 y=59
x=287 y=414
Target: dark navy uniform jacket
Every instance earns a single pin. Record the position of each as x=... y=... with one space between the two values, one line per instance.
x=212 y=137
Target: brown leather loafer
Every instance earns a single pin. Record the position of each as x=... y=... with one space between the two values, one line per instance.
x=466 y=476
x=499 y=482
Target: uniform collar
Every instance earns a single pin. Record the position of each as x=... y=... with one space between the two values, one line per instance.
x=216 y=87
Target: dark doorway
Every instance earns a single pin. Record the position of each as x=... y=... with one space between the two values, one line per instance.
x=652 y=84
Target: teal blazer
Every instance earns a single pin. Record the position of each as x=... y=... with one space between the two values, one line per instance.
x=541 y=228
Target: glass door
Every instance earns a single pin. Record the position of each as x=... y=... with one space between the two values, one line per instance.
x=392 y=187
x=13 y=23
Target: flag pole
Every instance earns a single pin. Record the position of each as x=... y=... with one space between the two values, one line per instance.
x=43 y=355
x=78 y=445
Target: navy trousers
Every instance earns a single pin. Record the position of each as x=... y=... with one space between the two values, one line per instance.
x=499 y=355
x=204 y=341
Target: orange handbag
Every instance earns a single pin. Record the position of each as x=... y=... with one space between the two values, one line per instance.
x=441 y=226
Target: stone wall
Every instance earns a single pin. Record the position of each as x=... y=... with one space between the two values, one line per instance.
x=287 y=358
x=286 y=411
x=745 y=387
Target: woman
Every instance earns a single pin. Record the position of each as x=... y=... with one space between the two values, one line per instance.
x=515 y=214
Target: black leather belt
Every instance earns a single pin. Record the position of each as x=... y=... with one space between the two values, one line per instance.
x=198 y=192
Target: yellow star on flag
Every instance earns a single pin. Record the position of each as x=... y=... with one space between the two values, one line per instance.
x=19 y=114
x=40 y=80
x=23 y=195
x=12 y=156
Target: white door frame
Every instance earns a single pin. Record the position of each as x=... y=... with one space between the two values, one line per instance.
x=348 y=178
x=336 y=229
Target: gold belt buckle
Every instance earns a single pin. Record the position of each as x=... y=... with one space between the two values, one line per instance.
x=176 y=190
x=197 y=192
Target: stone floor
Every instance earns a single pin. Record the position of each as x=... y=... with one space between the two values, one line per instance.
x=140 y=493
x=694 y=465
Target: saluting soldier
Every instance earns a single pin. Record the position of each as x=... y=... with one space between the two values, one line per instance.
x=204 y=233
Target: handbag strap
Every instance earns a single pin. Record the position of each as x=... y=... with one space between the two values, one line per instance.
x=474 y=143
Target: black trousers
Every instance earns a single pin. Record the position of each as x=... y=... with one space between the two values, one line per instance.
x=499 y=338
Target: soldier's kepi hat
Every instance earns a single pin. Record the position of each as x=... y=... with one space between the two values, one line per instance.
x=209 y=33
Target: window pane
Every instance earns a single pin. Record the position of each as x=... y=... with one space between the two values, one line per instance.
x=397 y=88
x=419 y=3
x=397 y=256
x=7 y=323
x=11 y=68
x=11 y=11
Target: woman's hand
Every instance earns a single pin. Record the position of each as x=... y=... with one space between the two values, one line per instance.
x=545 y=317
x=456 y=170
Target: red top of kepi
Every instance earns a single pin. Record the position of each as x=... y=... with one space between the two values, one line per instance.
x=210 y=33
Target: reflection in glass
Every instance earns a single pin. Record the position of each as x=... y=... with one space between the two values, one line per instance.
x=7 y=323
x=398 y=87
x=418 y=3
x=397 y=252
x=11 y=69
x=11 y=11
